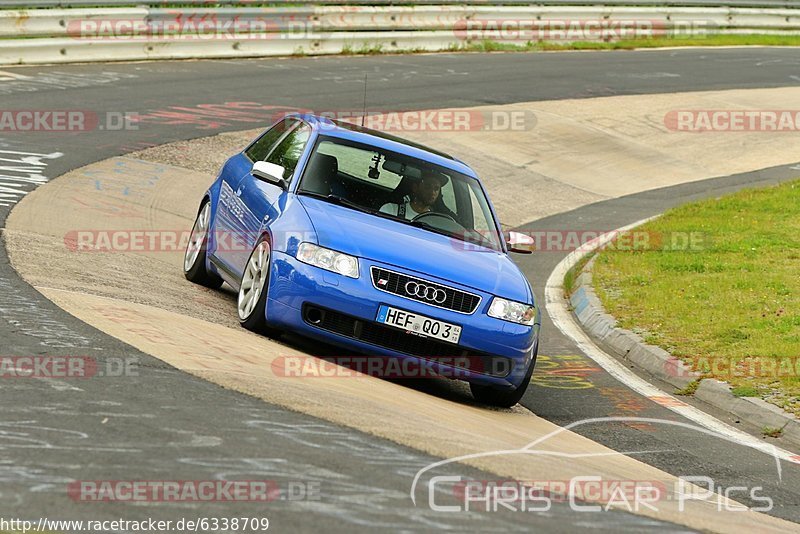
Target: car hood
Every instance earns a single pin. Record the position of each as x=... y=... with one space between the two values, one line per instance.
x=414 y=249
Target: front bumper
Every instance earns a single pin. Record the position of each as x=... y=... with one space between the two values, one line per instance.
x=296 y=287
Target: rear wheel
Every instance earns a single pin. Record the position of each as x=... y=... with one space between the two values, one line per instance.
x=194 y=260
x=252 y=300
x=506 y=397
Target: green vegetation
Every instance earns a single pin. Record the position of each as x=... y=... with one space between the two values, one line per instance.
x=366 y=49
x=745 y=391
x=689 y=390
x=573 y=274
x=629 y=44
x=770 y=432
x=728 y=302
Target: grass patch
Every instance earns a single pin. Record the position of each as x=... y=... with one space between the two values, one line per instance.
x=728 y=305
x=573 y=274
x=366 y=49
x=745 y=391
x=630 y=44
x=689 y=390
x=771 y=432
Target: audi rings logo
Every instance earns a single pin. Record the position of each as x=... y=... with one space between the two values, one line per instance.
x=421 y=291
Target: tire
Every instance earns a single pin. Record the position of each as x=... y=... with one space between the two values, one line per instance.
x=504 y=398
x=194 y=259
x=251 y=302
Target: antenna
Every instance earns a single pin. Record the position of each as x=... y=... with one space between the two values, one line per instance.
x=365 y=100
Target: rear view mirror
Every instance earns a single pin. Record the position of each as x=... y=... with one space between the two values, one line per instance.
x=520 y=243
x=392 y=166
x=401 y=169
x=270 y=172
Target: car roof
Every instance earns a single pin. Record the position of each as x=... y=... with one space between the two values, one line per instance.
x=360 y=134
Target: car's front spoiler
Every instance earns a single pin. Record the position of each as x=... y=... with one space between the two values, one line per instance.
x=294 y=285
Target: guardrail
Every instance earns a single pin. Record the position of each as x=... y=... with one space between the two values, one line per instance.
x=134 y=33
x=776 y=4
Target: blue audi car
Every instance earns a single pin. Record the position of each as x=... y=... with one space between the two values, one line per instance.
x=375 y=244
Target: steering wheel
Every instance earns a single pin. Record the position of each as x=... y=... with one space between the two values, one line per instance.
x=434 y=214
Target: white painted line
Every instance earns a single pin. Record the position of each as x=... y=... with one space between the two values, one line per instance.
x=6 y=76
x=562 y=317
x=59 y=385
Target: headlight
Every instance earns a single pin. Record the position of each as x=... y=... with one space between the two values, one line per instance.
x=328 y=259
x=516 y=312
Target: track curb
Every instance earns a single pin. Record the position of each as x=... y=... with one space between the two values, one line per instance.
x=631 y=348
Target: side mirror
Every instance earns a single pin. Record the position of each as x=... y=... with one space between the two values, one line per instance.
x=520 y=243
x=270 y=172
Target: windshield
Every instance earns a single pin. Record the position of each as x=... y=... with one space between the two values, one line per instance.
x=403 y=188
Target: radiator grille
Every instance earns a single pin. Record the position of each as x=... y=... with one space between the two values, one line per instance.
x=398 y=284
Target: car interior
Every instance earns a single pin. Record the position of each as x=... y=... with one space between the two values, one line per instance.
x=322 y=176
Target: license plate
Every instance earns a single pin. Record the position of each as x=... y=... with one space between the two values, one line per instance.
x=419 y=324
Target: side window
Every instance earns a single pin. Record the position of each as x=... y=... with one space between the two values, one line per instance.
x=259 y=150
x=481 y=213
x=449 y=196
x=288 y=152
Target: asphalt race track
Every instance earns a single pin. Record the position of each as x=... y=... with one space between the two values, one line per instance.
x=171 y=426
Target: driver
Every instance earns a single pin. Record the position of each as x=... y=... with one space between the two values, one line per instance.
x=424 y=194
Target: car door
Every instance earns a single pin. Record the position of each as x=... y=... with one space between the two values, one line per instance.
x=233 y=215
x=260 y=197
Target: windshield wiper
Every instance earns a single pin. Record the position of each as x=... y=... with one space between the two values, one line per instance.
x=466 y=237
x=431 y=228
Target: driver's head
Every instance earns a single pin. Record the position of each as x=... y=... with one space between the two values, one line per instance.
x=429 y=187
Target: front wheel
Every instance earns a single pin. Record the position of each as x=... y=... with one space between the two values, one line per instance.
x=194 y=260
x=252 y=300
x=504 y=398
